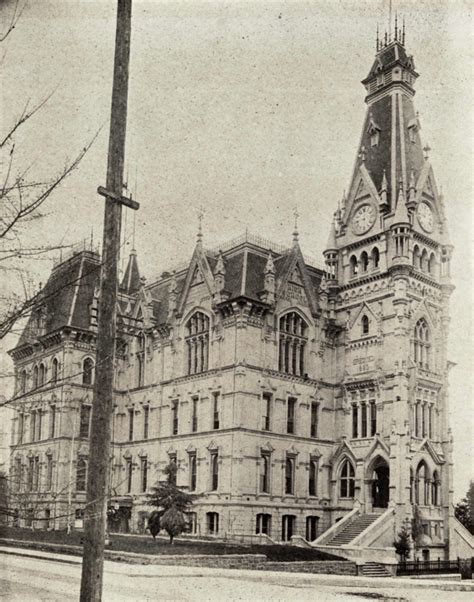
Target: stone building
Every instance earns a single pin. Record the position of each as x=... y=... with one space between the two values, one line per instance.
x=297 y=402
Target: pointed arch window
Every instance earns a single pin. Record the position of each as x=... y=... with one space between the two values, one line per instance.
x=422 y=344
x=364 y=262
x=22 y=385
x=87 y=371
x=41 y=375
x=416 y=257
x=292 y=344
x=141 y=360
x=375 y=257
x=422 y=484
x=347 y=480
x=55 y=370
x=353 y=265
x=197 y=342
x=431 y=264
x=365 y=324
x=35 y=377
x=424 y=261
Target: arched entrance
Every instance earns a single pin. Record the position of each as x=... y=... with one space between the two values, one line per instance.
x=380 y=483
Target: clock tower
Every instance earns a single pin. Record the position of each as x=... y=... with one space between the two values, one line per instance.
x=389 y=285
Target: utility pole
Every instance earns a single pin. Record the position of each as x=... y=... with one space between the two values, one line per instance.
x=102 y=406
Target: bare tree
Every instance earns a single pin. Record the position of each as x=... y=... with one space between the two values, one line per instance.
x=23 y=199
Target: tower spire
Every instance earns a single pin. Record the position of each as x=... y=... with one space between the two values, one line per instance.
x=199 y=234
x=295 y=232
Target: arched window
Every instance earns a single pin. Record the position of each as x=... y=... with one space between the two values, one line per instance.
x=87 y=371
x=141 y=344
x=35 y=377
x=292 y=343
x=431 y=264
x=412 y=487
x=289 y=476
x=364 y=262
x=416 y=257
x=365 y=325
x=435 y=489
x=421 y=344
x=424 y=261
x=42 y=375
x=197 y=341
x=22 y=382
x=54 y=370
x=347 y=480
x=354 y=268
x=81 y=475
x=422 y=484
x=375 y=256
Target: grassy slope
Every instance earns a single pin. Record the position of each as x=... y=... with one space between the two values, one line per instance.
x=146 y=545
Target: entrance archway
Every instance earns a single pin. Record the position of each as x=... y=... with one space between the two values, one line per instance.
x=380 y=484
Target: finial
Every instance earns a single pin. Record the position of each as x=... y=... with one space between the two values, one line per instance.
x=377 y=39
x=269 y=266
x=396 y=26
x=199 y=234
x=295 y=233
x=220 y=267
x=362 y=154
x=390 y=21
x=403 y=32
x=384 y=181
x=426 y=151
x=412 y=179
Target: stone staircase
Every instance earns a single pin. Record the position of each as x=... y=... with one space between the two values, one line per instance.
x=372 y=569
x=353 y=529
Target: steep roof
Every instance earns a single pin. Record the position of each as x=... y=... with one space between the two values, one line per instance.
x=131 y=280
x=244 y=275
x=66 y=297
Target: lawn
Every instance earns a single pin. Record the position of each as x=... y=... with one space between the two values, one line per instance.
x=146 y=545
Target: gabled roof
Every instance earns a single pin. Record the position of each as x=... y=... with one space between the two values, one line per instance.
x=244 y=275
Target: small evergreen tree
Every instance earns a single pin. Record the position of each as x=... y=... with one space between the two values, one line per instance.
x=464 y=509
x=416 y=526
x=403 y=543
x=173 y=503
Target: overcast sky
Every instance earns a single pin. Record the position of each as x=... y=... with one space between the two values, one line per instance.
x=246 y=109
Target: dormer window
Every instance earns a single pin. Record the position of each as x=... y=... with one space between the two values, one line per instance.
x=380 y=80
x=413 y=127
x=374 y=132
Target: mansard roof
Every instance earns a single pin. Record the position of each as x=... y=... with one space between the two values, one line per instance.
x=66 y=297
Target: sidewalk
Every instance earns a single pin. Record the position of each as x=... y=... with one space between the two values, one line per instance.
x=250 y=575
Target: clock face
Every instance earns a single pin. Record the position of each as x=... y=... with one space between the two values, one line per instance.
x=425 y=217
x=363 y=219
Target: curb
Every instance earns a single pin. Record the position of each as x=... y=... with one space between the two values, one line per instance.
x=310 y=579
